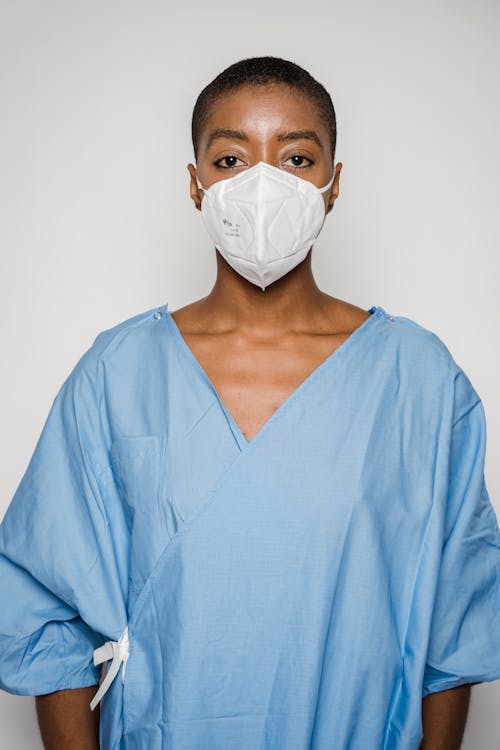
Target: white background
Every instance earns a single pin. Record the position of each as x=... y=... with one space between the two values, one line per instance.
x=96 y=223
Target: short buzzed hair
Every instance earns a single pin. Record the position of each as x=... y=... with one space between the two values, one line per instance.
x=261 y=71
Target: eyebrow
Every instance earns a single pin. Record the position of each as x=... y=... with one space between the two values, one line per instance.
x=292 y=135
x=226 y=133
x=296 y=135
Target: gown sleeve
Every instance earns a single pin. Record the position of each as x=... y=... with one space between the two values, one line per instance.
x=464 y=645
x=49 y=543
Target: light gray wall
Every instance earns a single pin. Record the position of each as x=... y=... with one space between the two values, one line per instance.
x=96 y=224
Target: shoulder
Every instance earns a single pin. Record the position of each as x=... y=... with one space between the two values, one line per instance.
x=396 y=332
x=430 y=358
x=124 y=339
x=136 y=324
x=416 y=341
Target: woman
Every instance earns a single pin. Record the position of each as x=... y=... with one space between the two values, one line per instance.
x=265 y=512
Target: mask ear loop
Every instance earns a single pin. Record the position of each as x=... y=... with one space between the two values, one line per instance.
x=198 y=183
x=325 y=188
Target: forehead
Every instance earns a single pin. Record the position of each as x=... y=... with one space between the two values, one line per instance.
x=262 y=111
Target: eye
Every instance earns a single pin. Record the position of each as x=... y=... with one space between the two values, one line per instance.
x=298 y=161
x=228 y=162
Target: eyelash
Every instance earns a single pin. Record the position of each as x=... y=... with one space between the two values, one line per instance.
x=218 y=164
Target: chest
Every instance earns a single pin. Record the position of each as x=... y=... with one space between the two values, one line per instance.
x=255 y=381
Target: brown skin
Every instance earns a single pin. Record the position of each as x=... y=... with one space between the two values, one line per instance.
x=66 y=721
x=444 y=715
x=258 y=346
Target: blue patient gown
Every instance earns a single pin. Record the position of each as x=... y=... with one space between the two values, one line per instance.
x=302 y=590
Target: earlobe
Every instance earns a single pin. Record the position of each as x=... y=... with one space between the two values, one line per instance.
x=332 y=199
x=196 y=199
x=193 y=187
x=335 y=187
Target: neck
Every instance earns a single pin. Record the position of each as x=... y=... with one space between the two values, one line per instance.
x=288 y=303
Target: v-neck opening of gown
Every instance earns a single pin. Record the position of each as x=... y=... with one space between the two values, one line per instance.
x=376 y=311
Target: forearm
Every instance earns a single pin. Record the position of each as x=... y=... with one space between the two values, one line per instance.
x=66 y=721
x=443 y=718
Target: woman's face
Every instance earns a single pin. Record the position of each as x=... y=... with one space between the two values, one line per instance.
x=274 y=124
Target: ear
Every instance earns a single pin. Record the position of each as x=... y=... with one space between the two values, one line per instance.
x=335 y=189
x=194 y=190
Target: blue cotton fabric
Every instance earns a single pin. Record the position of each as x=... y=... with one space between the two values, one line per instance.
x=301 y=590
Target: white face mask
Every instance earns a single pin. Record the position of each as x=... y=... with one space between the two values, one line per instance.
x=263 y=220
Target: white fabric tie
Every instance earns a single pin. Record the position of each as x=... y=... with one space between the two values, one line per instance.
x=118 y=651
